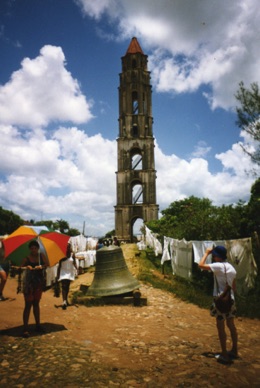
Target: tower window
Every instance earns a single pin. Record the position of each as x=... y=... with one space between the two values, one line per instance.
x=137 y=194
x=135 y=107
x=137 y=162
x=134 y=63
x=144 y=104
x=135 y=131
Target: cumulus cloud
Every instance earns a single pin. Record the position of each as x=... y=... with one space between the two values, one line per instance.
x=178 y=178
x=58 y=175
x=192 y=43
x=96 y=8
x=61 y=175
x=58 y=171
x=236 y=159
x=42 y=91
x=51 y=171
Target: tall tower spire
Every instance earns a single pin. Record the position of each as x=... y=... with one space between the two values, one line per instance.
x=134 y=47
x=136 y=175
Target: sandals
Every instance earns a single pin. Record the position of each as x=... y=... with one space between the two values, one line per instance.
x=222 y=359
x=232 y=356
x=64 y=305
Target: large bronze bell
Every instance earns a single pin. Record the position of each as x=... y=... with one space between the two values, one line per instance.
x=112 y=276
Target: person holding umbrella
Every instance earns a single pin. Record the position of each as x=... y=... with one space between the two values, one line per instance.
x=67 y=270
x=33 y=281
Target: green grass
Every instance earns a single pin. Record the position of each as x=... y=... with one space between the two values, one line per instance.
x=150 y=271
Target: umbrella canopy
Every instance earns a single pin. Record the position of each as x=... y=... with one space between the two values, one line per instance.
x=52 y=244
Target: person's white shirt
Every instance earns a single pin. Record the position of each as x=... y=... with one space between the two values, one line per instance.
x=219 y=271
x=67 y=269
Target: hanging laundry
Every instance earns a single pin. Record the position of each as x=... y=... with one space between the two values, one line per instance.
x=182 y=258
x=240 y=255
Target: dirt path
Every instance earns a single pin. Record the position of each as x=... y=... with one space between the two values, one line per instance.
x=167 y=343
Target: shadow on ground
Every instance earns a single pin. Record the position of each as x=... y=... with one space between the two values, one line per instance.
x=47 y=327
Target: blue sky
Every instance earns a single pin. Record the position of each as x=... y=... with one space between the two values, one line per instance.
x=60 y=64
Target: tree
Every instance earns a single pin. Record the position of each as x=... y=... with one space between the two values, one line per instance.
x=254 y=209
x=9 y=221
x=110 y=234
x=73 y=232
x=248 y=117
x=197 y=219
x=61 y=225
x=187 y=218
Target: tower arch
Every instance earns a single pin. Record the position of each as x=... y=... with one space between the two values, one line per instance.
x=136 y=159
x=137 y=192
x=137 y=225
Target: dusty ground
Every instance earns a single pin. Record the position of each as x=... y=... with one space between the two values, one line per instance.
x=167 y=343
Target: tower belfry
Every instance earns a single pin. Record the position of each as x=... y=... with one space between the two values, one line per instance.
x=136 y=174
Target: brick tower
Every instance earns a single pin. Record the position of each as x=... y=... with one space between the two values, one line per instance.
x=136 y=175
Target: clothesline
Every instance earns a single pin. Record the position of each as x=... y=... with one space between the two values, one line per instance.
x=183 y=254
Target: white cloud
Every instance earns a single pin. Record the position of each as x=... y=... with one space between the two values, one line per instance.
x=178 y=178
x=194 y=43
x=201 y=150
x=43 y=91
x=69 y=175
x=61 y=174
x=96 y=8
x=236 y=159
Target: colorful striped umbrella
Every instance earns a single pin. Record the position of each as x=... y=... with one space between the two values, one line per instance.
x=52 y=244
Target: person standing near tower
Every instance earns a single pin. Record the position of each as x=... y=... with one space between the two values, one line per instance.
x=33 y=281
x=66 y=273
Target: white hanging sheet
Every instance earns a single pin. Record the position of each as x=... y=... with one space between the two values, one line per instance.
x=182 y=258
x=200 y=247
x=241 y=257
x=166 y=246
x=152 y=242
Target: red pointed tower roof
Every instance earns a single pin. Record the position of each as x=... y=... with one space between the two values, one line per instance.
x=134 y=47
